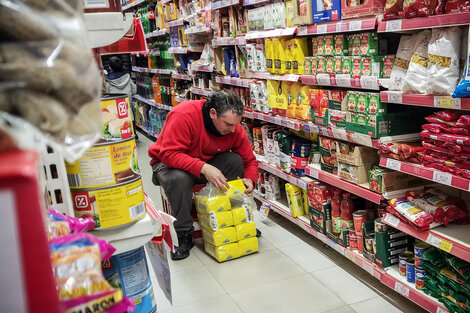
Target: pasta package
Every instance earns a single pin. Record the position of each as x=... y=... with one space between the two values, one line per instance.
x=402 y=61
x=416 y=79
x=411 y=212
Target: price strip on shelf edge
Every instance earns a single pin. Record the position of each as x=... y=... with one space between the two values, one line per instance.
x=369 y=82
x=339 y=133
x=342 y=27
x=343 y=80
x=441 y=310
x=394 y=25
x=391 y=220
x=362 y=139
x=393 y=164
x=351 y=257
x=355 y=26
x=322 y=28
x=323 y=79
x=403 y=290
x=368 y=268
x=439 y=243
x=394 y=97
x=313 y=173
x=447 y=102
x=302 y=31
x=442 y=178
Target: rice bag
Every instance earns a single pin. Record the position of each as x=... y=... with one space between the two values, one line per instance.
x=59 y=225
x=435 y=119
x=417 y=216
x=437 y=212
x=441 y=128
x=416 y=78
x=451 y=138
x=402 y=61
x=444 y=58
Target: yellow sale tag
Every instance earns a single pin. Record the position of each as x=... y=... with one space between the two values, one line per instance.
x=445 y=245
x=447 y=102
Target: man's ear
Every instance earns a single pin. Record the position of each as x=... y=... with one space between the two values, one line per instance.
x=213 y=113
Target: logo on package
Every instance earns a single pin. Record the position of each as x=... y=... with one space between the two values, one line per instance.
x=81 y=202
x=122 y=109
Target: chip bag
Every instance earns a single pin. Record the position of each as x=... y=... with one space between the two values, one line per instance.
x=59 y=225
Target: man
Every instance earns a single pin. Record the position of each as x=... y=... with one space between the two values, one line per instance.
x=118 y=81
x=201 y=141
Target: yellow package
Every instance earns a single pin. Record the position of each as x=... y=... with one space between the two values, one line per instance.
x=305 y=201
x=237 y=187
x=302 y=110
x=243 y=214
x=292 y=93
x=219 y=203
x=306 y=135
x=248 y=246
x=272 y=86
x=299 y=52
x=268 y=48
x=281 y=98
x=294 y=198
x=288 y=55
x=246 y=230
x=216 y=220
x=279 y=56
x=220 y=237
x=290 y=13
x=223 y=253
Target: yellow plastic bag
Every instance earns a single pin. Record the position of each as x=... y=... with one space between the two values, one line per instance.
x=223 y=253
x=288 y=54
x=303 y=107
x=281 y=98
x=272 y=86
x=279 y=55
x=292 y=93
x=216 y=203
x=248 y=246
x=220 y=237
x=216 y=220
x=246 y=230
x=299 y=50
x=243 y=214
x=268 y=47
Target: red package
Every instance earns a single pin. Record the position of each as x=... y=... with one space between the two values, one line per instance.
x=452 y=147
x=439 y=9
x=448 y=115
x=448 y=198
x=452 y=212
x=416 y=8
x=438 y=213
x=435 y=119
x=411 y=149
x=392 y=211
x=456 y=139
x=392 y=8
x=412 y=213
x=441 y=128
x=463 y=121
x=457 y=6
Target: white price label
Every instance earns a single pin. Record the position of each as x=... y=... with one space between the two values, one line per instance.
x=338 y=27
x=322 y=29
x=213 y=220
x=391 y=220
x=441 y=310
x=355 y=26
x=351 y=257
x=290 y=124
x=393 y=164
x=394 y=25
x=323 y=79
x=369 y=82
x=394 y=97
x=403 y=290
x=441 y=177
x=339 y=133
x=362 y=139
x=343 y=80
x=433 y=240
x=313 y=174
x=302 y=31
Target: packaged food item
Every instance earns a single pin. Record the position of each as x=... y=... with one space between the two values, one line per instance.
x=285 y=149
x=279 y=57
x=329 y=44
x=402 y=61
x=355 y=44
x=302 y=110
x=59 y=225
x=402 y=257
x=456 y=6
x=416 y=79
x=411 y=212
x=307 y=65
x=362 y=102
x=356 y=66
x=299 y=156
x=341 y=45
x=352 y=101
x=416 y=8
x=370 y=66
x=207 y=201
x=242 y=214
x=288 y=55
x=248 y=246
x=346 y=64
x=320 y=46
x=330 y=64
x=268 y=48
x=245 y=230
x=294 y=199
x=437 y=213
x=315 y=46
x=392 y=9
x=369 y=43
x=314 y=61
x=272 y=186
x=223 y=253
x=216 y=220
x=220 y=237
x=386 y=65
x=321 y=64
x=338 y=65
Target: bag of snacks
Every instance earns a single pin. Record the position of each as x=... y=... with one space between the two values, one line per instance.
x=59 y=225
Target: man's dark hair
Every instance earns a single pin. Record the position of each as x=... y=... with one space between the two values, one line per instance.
x=115 y=63
x=225 y=100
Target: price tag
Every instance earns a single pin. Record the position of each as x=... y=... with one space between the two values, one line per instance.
x=264 y=211
x=284 y=122
x=355 y=26
x=446 y=102
x=403 y=290
x=394 y=97
x=394 y=25
x=343 y=80
x=393 y=164
x=339 y=133
x=391 y=220
x=290 y=124
x=277 y=121
x=441 y=310
x=369 y=82
x=362 y=139
x=292 y=77
x=439 y=243
x=351 y=257
x=323 y=79
x=441 y=177
x=322 y=29
x=302 y=31
x=313 y=173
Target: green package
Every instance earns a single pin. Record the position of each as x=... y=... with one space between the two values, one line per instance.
x=356 y=66
x=329 y=45
x=346 y=64
x=369 y=44
x=370 y=66
x=330 y=64
x=341 y=45
x=374 y=105
x=354 y=44
x=360 y=119
x=386 y=65
x=352 y=101
x=361 y=104
x=321 y=64
x=338 y=65
x=320 y=45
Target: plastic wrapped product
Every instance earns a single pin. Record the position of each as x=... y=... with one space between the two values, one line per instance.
x=392 y=8
x=450 y=138
x=449 y=115
x=450 y=200
x=417 y=216
x=59 y=225
x=416 y=78
x=284 y=140
x=415 y=8
x=457 y=6
x=444 y=57
x=437 y=212
x=463 y=88
x=402 y=61
x=299 y=156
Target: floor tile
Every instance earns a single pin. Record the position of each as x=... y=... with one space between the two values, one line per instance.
x=371 y=306
x=254 y=270
x=220 y=304
x=279 y=237
x=307 y=257
x=298 y=294
x=189 y=262
x=343 y=309
x=344 y=285
x=260 y=223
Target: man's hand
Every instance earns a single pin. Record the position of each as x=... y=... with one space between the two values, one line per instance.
x=215 y=177
x=250 y=186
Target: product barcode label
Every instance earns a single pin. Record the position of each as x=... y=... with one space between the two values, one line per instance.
x=248 y=213
x=404 y=291
x=391 y=220
x=137 y=210
x=393 y=25
x=96 y=4
x=74 y=180
x=441 y=177
x=394 y=97
x=213 y=220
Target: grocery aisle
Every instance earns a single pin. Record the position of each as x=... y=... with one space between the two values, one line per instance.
x=293 y=272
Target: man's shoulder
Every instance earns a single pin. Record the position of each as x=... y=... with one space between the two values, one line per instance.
x=188 y=107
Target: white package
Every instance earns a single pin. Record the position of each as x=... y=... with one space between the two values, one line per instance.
x=268 y=16
x=402 y=60
x=444 y=55
x=279 y=15
x=260 y=58
x=253 y=95
x=273 y=188
x=416 y=77
x=250 y=55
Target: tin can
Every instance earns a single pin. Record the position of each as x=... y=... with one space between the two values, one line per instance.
x=370 y=243
x=129 y=271
x=359 y=218
x=113 y=206
x=419 y=277
x=374 y=243
x=419 y=248
x=352 y=239
x=379 y=226
x=381 y=210
x=105 y=164
x=360 y=246
x=410 y=270
x=402 y=257
x=115 y=117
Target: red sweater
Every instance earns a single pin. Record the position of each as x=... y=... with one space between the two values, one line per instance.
x=184 y=142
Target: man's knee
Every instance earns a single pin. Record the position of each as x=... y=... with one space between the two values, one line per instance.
x=180 y=178
x=235 y=160
x=235 y=167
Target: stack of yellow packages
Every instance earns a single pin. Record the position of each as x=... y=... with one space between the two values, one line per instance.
x=227 y=223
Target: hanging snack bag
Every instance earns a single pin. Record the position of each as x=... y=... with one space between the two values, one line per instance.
x=268 y=47
x=288 y=55
x=443 y=54
x=59 y=224
x=402 y=61
x=416 y=79
x=299 y=52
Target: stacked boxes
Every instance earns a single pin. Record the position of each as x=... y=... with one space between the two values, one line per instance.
x=389 y=244
x=383 y=180
x=328 y=155
x=354 y=162
x=319 y=206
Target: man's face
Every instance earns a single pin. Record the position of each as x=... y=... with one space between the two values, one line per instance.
x=225 y=123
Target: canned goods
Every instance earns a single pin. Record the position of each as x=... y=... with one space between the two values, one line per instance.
x=381 y=210
x=360 y=245
x=111 y=206
x=419 y=275
x=374 y=246
x=402 y=257
x=352 y=238
x=380 y=226
x=370 y=243
x=419 y=248
x=117 y=122
x=359 y=218
x=105 y=164
x=410 y=270
x=129 y=271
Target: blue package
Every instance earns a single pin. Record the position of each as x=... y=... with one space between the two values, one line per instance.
x=463 y=88
x=323 y=14
x=227 y=61
x=233 y=64
x=299 y=156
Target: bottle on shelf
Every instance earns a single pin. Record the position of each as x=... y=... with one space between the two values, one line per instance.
x=336 y=211
x=347 y=208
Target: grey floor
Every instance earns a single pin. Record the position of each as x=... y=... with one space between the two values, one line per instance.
x=293 y=272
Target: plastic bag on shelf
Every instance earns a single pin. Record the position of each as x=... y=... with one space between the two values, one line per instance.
x=416 y=78
x=463 y=88
x=402 y=61
x=59 y=224
x=49 y=79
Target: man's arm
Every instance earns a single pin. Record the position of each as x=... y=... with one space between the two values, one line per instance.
x=243 y=148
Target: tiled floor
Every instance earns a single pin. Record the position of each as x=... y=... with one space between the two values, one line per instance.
x=292 y=273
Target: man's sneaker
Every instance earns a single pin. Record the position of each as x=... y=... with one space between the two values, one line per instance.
x=258 y=233
x=186 y=242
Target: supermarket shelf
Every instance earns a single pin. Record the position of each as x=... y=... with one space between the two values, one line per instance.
x=361 y=191
x=153 y=103
x=426 y=173
x=281 y=121
x=338 y=27
x=444 y=102
x=157 y=33
x=253 y=2
x=178 y=50
x=234 y=81
x=132 y=4
x=342 y=80
x=284 y=77
x=227 y=41
x=179 y=99
x=180 y=76
x=271 y=33
x=175 y=23
x=223 y=4
x=443 y=20
x=301 y=182
x=105 y=28
x=197 y=30
x=201 y=92
x=147 y=131
x=151 y=70
x=202 y=68
x=454 y=239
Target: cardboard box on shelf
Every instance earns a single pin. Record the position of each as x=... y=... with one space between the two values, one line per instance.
x=319 y=221
x=389 y=248
x=342 y=238
x=324 y=11
x=355 y=9
x=355 y=155
x=383 y=180
x=353 y=173
x=302 y=11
